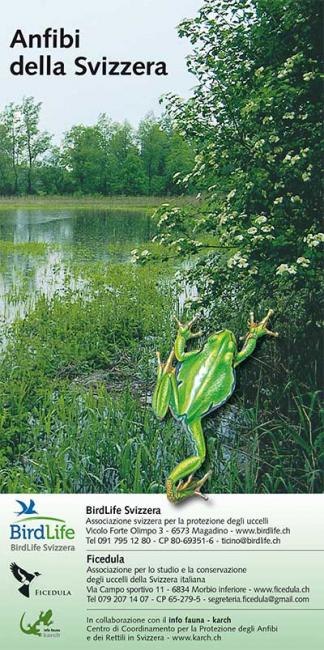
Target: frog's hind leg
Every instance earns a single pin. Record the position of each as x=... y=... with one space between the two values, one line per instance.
x=178 y=491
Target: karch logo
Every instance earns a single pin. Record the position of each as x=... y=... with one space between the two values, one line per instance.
x=44 y=618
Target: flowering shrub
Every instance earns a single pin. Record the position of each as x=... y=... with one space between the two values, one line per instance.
x=255 y=118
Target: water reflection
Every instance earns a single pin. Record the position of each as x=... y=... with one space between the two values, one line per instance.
x=80 y=235
x=81 y=227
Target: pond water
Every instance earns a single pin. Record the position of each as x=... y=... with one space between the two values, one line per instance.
x=89 y=229
x=74 y=236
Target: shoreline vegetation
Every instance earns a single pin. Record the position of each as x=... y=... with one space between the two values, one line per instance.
x=131 y=203
x=76 y=379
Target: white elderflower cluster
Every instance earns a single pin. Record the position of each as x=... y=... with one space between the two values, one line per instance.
x=291 y=269
x=267 y=228
x=163 y=219
x=257 y=233
x=303 y=261
x=309 y=76
x=231 y=194
x=289 y=65
x=237 y=260
x=267 y=119
x=139 y=256
x=314 y=240
x=261 y=219
x=291 y=160
x=223 y=219
x=285 y=268
x=259 y=144
x=176 y=242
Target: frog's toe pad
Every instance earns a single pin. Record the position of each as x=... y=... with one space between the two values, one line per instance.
x=198 y=494
x=193 y=484
x=183 y=490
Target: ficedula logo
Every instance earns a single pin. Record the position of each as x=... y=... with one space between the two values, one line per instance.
x=23 y=576
x=42 y=528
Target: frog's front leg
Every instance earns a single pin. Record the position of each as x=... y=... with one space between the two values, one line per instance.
x=178 y=490
x=162 y=393
x=183 y=336
x=256 y=331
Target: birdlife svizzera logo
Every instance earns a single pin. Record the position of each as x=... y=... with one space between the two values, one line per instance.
x=43 y=526
x=26 y=509
x=24 y=577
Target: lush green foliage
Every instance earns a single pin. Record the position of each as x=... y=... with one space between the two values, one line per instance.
x=255 y=118
x=22 y=144
x=104 y=159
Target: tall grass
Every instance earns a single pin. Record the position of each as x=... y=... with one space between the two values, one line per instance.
x=75 y=414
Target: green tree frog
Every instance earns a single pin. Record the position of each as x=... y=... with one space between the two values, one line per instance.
x=202 y=382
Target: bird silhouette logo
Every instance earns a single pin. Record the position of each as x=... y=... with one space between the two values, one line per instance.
x=27 y=509
x=24 y=577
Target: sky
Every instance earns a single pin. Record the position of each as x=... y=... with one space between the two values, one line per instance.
x=137 y=30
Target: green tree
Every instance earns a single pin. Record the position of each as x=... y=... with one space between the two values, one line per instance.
x=83 y=158
x=13 y=140
x=52 y=177
x=35 y=142
x=106 y=129
x=179 y=163
x=125 y=164
x=5 y=162
x=153 y=145
x=164 y=153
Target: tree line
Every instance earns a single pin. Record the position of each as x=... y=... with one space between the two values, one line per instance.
x=107 y=158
